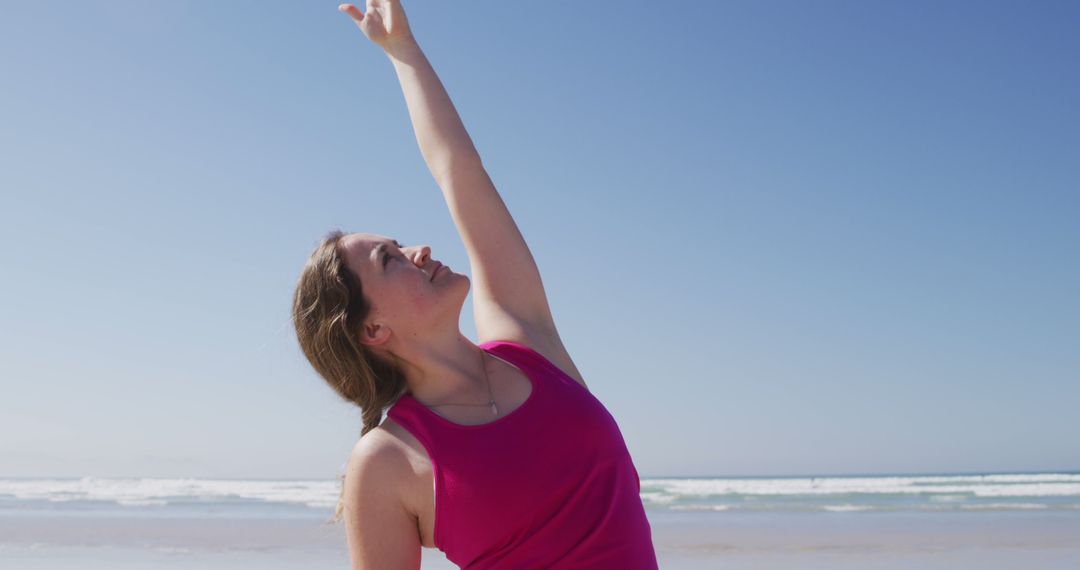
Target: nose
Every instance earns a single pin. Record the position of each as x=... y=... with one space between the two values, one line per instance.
x=421 y=255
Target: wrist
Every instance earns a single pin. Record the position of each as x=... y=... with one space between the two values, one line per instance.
x=401 y=47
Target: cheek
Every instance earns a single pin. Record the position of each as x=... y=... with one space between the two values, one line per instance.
x=415 y=290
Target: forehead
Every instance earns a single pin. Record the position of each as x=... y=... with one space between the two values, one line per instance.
x=363 y=247
x=365 y=243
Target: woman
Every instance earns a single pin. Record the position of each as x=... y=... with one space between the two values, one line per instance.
x=495 y=453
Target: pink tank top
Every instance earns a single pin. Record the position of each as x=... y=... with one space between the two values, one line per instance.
x=549 y=485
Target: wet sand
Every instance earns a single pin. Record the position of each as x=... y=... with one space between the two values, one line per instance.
x=683 y=540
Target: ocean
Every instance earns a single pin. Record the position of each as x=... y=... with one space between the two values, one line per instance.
x=960 y=520
x=305 y=498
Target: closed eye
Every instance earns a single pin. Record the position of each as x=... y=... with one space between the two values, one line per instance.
x=387 y=256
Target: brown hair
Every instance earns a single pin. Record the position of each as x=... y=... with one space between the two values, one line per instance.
x=329 y=308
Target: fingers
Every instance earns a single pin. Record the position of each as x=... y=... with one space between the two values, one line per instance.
x=352 y=11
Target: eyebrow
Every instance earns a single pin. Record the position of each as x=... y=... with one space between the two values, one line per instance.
x=382 y=248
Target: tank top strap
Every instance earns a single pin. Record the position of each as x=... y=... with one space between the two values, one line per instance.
x=521 y=356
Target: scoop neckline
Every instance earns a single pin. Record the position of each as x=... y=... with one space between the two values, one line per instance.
x=532 y=393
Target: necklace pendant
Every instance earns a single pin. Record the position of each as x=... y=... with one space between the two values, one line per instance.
x=494 y=410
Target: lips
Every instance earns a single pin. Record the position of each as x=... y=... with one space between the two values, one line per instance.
x=438 y=266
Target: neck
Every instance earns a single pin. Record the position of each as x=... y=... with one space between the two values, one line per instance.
x=439 y=369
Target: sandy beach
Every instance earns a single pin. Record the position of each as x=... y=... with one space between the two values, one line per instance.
x=684 y=540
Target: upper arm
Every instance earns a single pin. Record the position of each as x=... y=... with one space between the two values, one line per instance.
x=509 y=301
x=381 y=533
x=505 y=277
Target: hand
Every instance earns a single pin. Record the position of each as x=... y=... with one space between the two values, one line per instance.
x=384 y=23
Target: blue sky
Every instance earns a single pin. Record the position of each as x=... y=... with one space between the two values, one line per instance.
x=777 y=237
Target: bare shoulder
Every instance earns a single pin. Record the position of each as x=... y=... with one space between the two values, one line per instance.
x=380 y=457
x=380 y=531
x=541 y=337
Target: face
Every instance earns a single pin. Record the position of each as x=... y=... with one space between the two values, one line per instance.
x=411 y=293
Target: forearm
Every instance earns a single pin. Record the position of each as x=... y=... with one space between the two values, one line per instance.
x=443 y=141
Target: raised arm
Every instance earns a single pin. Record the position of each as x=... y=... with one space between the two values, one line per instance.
x=508 y=296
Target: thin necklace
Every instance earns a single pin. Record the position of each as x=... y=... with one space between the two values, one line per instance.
x=491 y=401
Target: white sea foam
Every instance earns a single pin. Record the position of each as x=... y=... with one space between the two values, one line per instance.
x=700 y=507
x=657 y=497
x=985 y=486
x=948 y=498
x=838 y=494
x=996 y=506
x=146 y=492
x=846 y=508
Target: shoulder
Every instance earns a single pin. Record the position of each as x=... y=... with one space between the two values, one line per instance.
x=376 y=465
x=379 y=530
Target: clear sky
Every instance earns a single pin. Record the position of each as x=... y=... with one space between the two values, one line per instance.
x=777 y=237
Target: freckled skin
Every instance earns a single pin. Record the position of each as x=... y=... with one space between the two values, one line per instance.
x=403 y=294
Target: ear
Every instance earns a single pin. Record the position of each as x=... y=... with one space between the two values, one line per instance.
x=374 y=333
